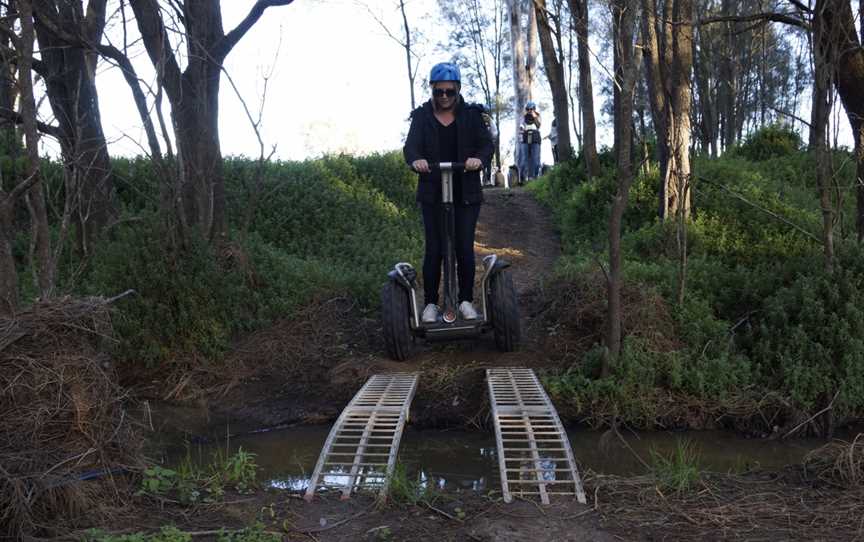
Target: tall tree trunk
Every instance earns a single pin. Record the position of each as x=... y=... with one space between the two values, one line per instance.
x=521 y=81
x=823 y=53
x=626 y=65
x=532 y=49
x=849 y=74
x=708 y=126
x=195 y=117
x=40 y=237
x=70 y=76
x=668 y=64
x=848 y=71
x=678 y=190
x=654 y=80
x=8 y=272
x=579 y=11
x=728 y=91
x=194 y=96
x=555 y=75
x=408 y=51
x=8 y=146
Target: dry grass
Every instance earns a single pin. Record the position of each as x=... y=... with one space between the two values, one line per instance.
x=575 y=316
x=300 y=350
x=839 y=463
x=63 y=417
x=763 y=506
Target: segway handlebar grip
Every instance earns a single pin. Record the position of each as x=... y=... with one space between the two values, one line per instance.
x=445 y=166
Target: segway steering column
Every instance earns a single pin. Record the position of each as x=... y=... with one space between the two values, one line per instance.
x=451 y=288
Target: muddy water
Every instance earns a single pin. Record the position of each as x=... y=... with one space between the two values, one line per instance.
x=467 y=460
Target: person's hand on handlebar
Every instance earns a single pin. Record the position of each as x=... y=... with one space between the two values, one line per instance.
x=473 y=164
x=420 y=166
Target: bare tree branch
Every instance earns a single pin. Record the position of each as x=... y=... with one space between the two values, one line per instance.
x=132 y=80
x=790 y=115
x=785 y=18
x=94 y=22
x=16 y=117
x=11 y=56
x=233 y=37
x=802 y=7
x=158 y=45
x=21 y=188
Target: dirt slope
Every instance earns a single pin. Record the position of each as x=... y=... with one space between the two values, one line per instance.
x=307 y=368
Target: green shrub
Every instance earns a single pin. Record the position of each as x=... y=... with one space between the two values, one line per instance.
x=329 y=212
x=332 y=226
x=184 y=303
x=758 y=312
x=810 y=340
x=625 y=394
x=678 y=471
x=770 y=141
x=581 y=208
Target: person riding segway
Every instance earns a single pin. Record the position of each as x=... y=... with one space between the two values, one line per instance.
x=529 y=158
x=447 y=145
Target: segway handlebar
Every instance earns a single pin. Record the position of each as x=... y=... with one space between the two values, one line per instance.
x=446 y=166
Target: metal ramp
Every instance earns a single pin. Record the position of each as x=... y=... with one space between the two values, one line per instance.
x=534 y=455
x=360 y=451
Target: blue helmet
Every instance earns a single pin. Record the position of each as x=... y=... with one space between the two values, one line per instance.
x=530 y=105
x=444 y=71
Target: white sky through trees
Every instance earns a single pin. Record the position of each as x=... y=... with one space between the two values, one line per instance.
x=337 y=81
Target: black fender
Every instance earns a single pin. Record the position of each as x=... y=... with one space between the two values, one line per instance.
x=499 y=266
x=404 y=275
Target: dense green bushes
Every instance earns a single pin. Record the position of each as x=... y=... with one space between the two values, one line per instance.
x=769 y=142
x=353 y=216
x=321 y=227
x=760 y=315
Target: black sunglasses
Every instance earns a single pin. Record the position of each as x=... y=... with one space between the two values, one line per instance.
x=450 y=92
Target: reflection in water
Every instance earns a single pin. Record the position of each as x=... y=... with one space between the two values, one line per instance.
x=460 y=460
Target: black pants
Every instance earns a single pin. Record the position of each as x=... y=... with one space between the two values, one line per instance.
x=466 y=225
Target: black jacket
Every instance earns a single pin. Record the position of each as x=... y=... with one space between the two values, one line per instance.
x=473 y=140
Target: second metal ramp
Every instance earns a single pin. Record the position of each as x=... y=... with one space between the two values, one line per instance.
x=534 y=454
x=361 y=449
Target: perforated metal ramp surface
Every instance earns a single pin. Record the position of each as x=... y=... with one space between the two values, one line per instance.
x=361 y=449
x=534 y=454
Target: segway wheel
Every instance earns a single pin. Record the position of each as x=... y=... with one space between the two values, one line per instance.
x=505 y=311
x=395 y=316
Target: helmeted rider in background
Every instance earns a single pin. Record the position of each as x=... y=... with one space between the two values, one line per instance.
x=529 y=131
x=447 y=129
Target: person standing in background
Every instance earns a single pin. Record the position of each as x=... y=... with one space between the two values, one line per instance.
x=529 y=157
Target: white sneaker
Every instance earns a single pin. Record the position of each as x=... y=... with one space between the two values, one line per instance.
x=467 y=310
x=430 y=314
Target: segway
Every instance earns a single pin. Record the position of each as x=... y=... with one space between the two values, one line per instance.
x=499 y=310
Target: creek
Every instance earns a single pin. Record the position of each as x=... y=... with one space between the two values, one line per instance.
x=459 y=459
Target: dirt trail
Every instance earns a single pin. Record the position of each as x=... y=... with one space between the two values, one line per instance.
x=306 y=370
x=514 y=226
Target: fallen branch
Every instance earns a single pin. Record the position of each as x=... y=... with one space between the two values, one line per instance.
x=330 y=526
x=442 y=512
x=814 y=416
